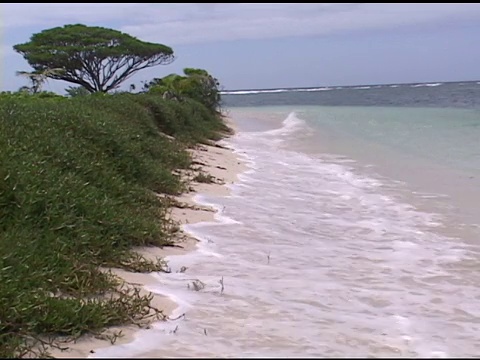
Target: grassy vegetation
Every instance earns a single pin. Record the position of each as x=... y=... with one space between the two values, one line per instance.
x=78 y=178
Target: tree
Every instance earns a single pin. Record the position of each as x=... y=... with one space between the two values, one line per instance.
x=197 y=84
x=203 y=87
x=97 y=58
x=169 y=86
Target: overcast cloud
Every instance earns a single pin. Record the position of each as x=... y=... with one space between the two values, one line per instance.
x=194 y=24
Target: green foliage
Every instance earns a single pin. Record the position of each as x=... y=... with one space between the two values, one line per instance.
x=25 y=93
x=188 y=121
x=73 y=91
x=97 y=58
x=78 y=178
x=197 y=84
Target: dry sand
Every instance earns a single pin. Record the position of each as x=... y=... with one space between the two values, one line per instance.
x=224 y=166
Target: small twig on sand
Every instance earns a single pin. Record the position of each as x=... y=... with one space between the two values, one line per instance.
x=179 y=317
x=220 y=146
x=268 y=258
x=223 y=287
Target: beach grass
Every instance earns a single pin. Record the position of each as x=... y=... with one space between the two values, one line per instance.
x=79 y=179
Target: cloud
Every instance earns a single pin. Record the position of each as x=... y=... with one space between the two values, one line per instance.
x=45 y=14
x=193 y=23
x=252 y=21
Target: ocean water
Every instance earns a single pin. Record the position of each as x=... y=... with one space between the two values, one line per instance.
x=354 y=233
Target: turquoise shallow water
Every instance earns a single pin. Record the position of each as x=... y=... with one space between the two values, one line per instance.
x=443 y=136
x=446 y=137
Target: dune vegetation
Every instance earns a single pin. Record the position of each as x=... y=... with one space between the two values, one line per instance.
x=80 y=178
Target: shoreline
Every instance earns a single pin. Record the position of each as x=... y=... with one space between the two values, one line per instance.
x=218 y=161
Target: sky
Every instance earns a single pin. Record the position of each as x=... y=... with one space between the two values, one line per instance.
x=261 y=46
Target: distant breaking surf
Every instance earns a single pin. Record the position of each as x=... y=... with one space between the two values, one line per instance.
x=266 y=91
x=325 y=88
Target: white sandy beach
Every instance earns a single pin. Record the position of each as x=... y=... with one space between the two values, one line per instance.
x=224 y=166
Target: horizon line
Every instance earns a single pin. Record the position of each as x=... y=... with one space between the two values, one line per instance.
x=346 y=86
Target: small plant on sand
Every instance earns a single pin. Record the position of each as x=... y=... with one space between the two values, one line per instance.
x=138 y=263
x=196 y=285
x=204 y=178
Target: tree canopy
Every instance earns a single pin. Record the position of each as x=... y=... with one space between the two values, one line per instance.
x=97 y=58
x=197 y=84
